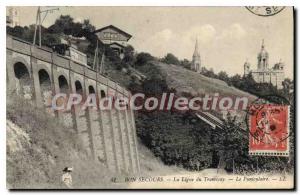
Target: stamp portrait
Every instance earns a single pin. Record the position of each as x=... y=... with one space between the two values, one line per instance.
x=269 y=130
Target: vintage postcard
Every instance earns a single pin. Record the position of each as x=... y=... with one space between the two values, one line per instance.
x=150 y=97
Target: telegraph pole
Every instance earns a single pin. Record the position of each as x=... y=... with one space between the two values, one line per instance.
x=39 y=21
x=102 y=62
x=95 y=64
x=40 y=28
x=35 y=27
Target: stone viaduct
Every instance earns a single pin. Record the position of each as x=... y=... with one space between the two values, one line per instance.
x=37 y=73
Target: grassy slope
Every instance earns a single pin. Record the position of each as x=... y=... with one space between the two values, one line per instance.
x=119 y=76
x=151 y=165
x=184 y=80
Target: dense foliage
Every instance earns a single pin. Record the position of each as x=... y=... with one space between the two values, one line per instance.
x=65 y=25
x=170 y=59
x=247 y=83
x=176 y=139
x=142 y=58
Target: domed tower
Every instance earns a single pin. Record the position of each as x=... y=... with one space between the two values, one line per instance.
x=246 y=68
x=279 y=66
x=263 y=58
x=196 y=62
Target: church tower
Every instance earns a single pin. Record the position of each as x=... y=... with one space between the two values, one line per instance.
x=196 y=62
x=263 y=58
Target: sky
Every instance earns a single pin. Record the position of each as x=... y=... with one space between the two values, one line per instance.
x=227 y=36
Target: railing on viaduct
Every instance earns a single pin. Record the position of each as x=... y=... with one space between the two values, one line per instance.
x=38 y=74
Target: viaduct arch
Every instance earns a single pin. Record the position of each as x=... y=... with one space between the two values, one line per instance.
x=37 y=74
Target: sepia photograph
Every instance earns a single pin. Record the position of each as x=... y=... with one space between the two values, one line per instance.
x=150 y=97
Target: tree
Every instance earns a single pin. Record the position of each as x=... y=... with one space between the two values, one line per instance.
x=236 y=80
x=50 y=39
x=63 y=24
x=17 y=31
x=175 y=141
x=142 y=58
x=155 y=84
x=223 y=76
x=87 y=26
x=171 y=59
x=128 y=55
x=209 y=73
x=185 y=63
x=287 y=85
x=248 y=83
x=28 y=33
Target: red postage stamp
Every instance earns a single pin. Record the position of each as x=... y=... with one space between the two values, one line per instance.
x=269 y=130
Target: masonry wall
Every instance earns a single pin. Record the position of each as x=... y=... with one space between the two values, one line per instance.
x=109 y=136
x=275 y=77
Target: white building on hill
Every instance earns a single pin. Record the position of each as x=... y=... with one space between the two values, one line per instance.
x=264 y=74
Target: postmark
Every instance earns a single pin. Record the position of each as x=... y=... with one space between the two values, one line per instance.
x=268 y=124
x=265 y=10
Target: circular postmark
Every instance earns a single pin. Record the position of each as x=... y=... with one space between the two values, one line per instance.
x=267 y=121
x=265 y=10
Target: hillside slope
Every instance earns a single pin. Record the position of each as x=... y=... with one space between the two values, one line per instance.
x=39 y=148
x=184 y=80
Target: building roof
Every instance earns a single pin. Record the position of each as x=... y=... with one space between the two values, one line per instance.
x=115 y=28
x=118 y=44
x=196 y=52
x=263 y=52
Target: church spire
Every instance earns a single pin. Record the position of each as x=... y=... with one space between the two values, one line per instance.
x=263 y=44
x=196 y=52
x=263 y=58
x=196 y=63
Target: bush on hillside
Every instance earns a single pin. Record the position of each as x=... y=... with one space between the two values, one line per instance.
x=185 y=63
x=171 y=59
x=174 y=140
x=142 y=58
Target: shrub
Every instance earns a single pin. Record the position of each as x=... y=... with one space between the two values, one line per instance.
x=142 y=58
x=171 y=59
